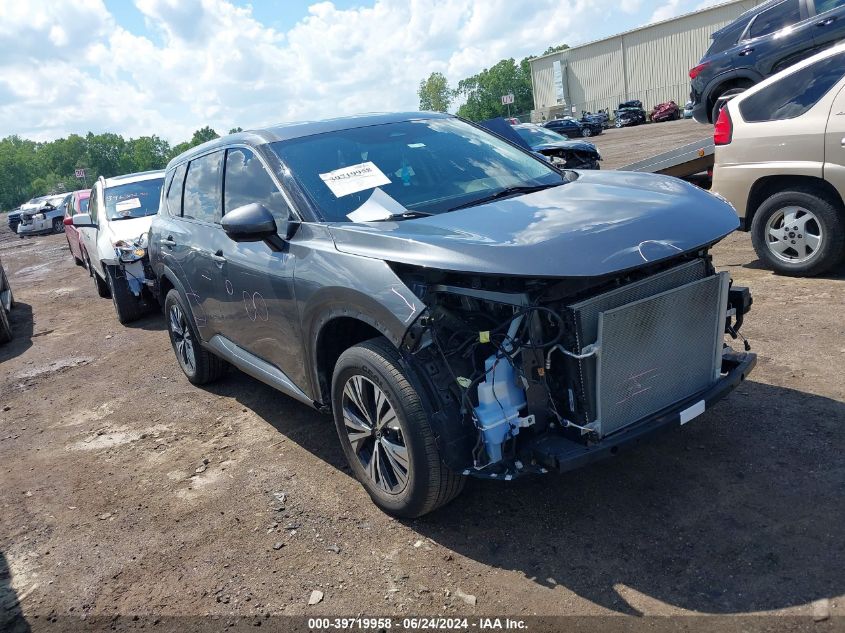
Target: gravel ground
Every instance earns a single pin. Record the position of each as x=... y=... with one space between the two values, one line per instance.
x=126 y=490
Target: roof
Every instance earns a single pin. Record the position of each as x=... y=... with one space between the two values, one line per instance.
x=136 y=177
x=648 y=26
x=300 y=129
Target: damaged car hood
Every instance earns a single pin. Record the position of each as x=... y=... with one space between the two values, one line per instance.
x=130 y=229
x=601 y=223
x=574 y=146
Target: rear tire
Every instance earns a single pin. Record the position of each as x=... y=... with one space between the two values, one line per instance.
x=586 y=132
x=398 y=463
x=817 y=245
x=5 y=326
x=126 y=305
x=198 y=364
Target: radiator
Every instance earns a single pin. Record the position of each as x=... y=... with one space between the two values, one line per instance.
x=659 y=341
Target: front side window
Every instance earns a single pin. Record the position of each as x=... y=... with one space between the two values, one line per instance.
x=781 y=100
x=82 y=205
x=427 y=166
x=247 y=181
x=775 y=18
x=174 y=193
x=93 y=206
x=202 y=200
x=133 y=200
x=822 y=6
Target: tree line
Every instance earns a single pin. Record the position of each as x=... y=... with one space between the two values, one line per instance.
x=29 y=169
x=482 y=93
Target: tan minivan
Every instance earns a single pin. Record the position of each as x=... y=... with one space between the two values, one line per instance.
x=780 y=160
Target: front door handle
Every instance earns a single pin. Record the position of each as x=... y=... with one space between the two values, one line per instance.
x=826 y=22
x=746 y=51
x=218 y=258
x=842 y=142
x=168 y=241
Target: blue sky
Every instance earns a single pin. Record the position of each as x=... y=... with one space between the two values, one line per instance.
x=168 y=67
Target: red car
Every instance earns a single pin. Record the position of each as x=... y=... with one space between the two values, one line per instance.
x=78 y=204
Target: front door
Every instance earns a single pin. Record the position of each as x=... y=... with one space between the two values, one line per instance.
x=834 y=143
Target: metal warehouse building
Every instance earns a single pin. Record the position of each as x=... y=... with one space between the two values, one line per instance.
x=650 y=63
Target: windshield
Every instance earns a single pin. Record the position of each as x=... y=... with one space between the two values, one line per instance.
x=426 y=166
x=133 y=200
x=536 y=135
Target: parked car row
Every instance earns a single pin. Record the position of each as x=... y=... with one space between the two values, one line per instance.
x=440 y=290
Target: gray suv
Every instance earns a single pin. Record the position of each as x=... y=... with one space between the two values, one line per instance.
x=461 y=307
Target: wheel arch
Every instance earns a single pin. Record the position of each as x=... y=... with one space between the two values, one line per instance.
x=765 y=187
x=722 y=83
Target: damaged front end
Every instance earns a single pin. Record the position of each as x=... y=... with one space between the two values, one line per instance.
x=131 y=262
x=537 y=374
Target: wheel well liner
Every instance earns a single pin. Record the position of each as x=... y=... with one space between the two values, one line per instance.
x=770 y=185
x=336 y=336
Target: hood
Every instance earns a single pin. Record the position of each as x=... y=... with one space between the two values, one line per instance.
x=573 y=146
x=601 y=223
x=129 y=229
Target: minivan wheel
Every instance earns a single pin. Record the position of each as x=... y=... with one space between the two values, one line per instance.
x=126 y=305
x=384 y=430
x=799 y=233
x=198 y=364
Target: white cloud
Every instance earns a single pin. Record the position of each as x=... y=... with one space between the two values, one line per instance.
x=668 y=10
x=73 y=68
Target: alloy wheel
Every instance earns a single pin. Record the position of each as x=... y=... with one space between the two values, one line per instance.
x=373 y=430
x=793 y=234
x=183 y=341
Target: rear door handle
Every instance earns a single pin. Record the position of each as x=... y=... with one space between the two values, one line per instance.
x=826 y=22
x=842 y=142
x=218 y=258
x=746 y=51
x=168 y=241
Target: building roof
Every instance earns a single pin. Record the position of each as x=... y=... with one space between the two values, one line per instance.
x=639 y=28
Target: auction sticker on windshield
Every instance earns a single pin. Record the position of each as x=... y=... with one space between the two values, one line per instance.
x=347 y=180
x=125 y=205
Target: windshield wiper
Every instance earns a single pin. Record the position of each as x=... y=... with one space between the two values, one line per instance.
x=506 y=193
x=406 y=215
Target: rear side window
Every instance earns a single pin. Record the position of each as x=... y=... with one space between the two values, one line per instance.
x=202 y=200
x=781 y=100
x=174 y=192
x=774 y=19
x=247 y=181
x=82 y=205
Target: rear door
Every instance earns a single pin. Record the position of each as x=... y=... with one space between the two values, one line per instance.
x=834 y=142
x=778 y=37
x=260 y=314
x=197 y=248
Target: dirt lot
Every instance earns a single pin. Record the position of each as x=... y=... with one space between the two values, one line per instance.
x=125 y=490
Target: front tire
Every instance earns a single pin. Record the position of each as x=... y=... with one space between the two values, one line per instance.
x=126 y=305
x=799 y=233
x=5 y=326
x=586 y=132
x=58 y=225
x=382 y=422
x=199 y=365
x=100 y=284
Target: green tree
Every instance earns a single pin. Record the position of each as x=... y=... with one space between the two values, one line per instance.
x=483 y=92
x=234 y=130
x=147 y=152
x=555 y=49
x=434 y=93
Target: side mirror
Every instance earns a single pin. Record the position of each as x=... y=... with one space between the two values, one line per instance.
x=249 y=223
x=68 y=221
x=82 y=221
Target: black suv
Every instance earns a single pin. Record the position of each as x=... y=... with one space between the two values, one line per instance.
x=459 y=305
x=759 y=43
